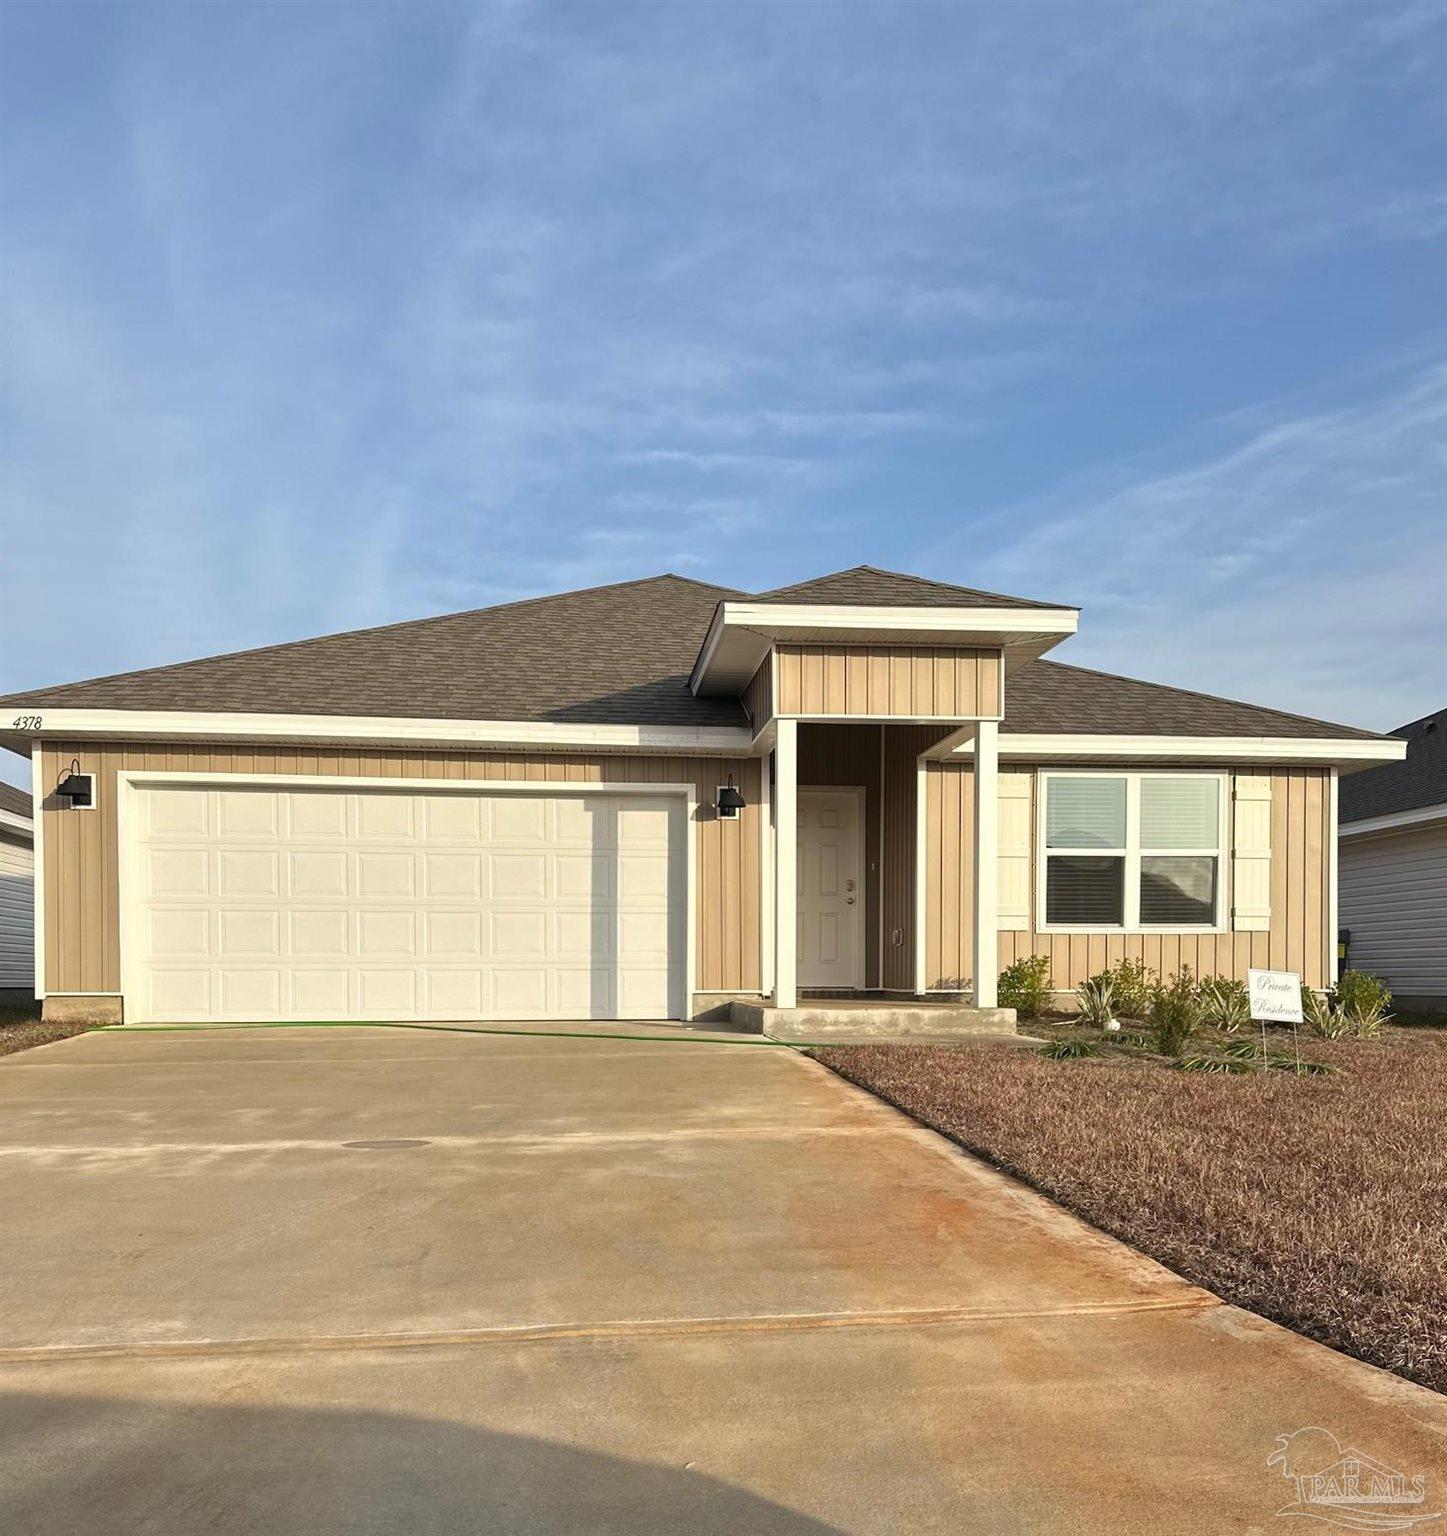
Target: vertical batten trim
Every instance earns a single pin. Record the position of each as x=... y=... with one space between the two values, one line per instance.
x=37 y=855
x=786 y=933
x=921 y=881
x=987 y=855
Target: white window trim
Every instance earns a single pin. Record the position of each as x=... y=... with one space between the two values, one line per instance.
x=1132 y=852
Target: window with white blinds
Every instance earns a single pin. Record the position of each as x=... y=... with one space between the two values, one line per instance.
x=1132 y=850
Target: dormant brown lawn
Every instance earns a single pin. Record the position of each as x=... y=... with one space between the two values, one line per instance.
x=1319 y=1202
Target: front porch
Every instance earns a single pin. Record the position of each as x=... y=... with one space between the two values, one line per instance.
x=884 y=883
x=879 y=1017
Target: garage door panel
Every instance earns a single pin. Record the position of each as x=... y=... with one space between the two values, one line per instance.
x=319 y=994
x=177 y=872
x=250 y=993
x=517 y=876
x=320 y=934
x=386 y=874
x=582 y=876
x=245 y=813
x=315 y=814
x=317 y=873
x=376 y=904
x=452 y=874
x=456 y=934
x=183 y=934
x=179 y=993
x=519 y=819
x=387 y=934
x=386 y=817
x=249 y=933
x=248 y=872
x=453 y=819
x=458 y=993
x=181 y=813
x=519 y=991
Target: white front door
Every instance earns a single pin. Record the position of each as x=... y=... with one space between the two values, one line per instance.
x=831 y=888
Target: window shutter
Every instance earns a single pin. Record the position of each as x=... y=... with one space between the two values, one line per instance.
x=1013 y=894
x=1251 y=853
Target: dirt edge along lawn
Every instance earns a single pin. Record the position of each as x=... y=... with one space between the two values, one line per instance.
x=1315 y=1201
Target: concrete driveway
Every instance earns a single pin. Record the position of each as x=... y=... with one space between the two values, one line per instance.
x=408 y=1282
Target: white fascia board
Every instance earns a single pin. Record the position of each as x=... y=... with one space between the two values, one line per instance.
x=1351 y=752
x=1397 y=821
x=1038 y=628
x=523 y=735
x=18 y=822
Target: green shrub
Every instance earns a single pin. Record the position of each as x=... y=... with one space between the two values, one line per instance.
x=1025 y=986
x=1363 y=1000
x=1175 y=1012
x=1131 y=982
x=1225 y=1003
x=1096 y=999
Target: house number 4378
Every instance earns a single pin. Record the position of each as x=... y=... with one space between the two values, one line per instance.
x=25 y=723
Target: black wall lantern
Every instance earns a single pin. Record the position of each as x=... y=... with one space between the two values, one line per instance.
x=730 y=800
x=76 y=790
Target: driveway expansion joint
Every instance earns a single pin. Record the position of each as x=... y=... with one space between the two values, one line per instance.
x=633 y=1328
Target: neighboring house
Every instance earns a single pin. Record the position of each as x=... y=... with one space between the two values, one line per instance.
x=529 y=811
x=17 y=897
x=1394 y=867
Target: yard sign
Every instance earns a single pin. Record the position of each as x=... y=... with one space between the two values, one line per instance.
x=1275 y=996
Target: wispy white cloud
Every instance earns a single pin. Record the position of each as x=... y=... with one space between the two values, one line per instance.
x=378 y=310
x=1303 y=565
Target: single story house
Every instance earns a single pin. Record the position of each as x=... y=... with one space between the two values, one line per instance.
x=646 y=800
x=17 y=896
x=1393 y=867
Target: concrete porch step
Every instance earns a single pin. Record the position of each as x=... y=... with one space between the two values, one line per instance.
x=843 y=1020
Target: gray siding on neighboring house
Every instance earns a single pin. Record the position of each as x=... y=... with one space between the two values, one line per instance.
x=1392 y=893
x=17 y=912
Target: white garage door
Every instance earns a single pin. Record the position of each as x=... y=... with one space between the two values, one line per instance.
x=275 y=903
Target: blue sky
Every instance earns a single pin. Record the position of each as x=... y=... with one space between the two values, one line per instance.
x=320 y=316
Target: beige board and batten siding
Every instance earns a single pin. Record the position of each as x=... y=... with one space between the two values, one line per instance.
x=81 y=849
x=1296 y=936
x=17 y=912
x=1393 y=894
x=922 y=682
x=759 y=695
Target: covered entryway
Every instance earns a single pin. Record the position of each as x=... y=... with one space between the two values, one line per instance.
x=306 y=901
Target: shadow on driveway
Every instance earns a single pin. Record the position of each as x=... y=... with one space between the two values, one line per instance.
x=81 y=1464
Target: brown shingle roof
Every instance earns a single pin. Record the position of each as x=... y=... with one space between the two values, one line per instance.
x=1418 y=781
x=868 y=585
x=619 y=654
x=616 y=655
x=1050 y=696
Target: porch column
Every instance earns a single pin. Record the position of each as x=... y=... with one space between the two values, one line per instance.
x=786 y=856
x=987 y=851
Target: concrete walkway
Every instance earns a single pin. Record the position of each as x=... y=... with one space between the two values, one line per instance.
x=413 y=1282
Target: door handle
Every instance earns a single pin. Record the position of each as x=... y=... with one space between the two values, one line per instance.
x=848 y=901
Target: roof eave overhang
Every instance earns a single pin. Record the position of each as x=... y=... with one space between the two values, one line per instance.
x=374 y=730
x=16 y=822
x=1344 y=753
x=1396 y=821
x=740 y=634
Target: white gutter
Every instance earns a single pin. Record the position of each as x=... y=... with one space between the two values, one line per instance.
x=545 y=736
x=1070 y=746
x=1397 y=821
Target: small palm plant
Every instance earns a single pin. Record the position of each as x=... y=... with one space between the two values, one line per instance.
x=1225 y=1003
x=1096 y=1001
x=1323 y=1017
